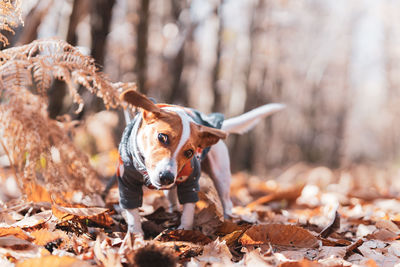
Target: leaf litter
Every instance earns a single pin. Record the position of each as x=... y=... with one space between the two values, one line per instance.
x=276 y=222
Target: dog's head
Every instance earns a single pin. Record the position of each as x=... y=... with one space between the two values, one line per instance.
x=168 y=138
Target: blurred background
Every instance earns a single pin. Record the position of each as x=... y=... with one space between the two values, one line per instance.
x=334 y=63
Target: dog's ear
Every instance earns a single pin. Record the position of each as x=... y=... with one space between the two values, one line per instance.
x=210 y=136
x=150 y=110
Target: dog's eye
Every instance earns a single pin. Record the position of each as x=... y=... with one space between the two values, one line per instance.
x=163 y=138
x=188 y=153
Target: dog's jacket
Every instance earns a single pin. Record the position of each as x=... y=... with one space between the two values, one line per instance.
x=135 y=174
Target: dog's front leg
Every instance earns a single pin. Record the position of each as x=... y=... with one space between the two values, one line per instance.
x=133 y=221
x=187 y=216
x=172 y=196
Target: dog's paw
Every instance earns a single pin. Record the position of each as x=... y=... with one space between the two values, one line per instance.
x=137 y=230
x=228 y=215
x=185 y=227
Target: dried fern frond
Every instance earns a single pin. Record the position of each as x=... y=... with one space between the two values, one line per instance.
x=10 y=17
x=52 y=58
x=40 y=148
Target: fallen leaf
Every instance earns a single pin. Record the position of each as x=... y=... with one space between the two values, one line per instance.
x=302 y=263
x=332 y=227
x=97 y=215
x=15 y=231
x=14 y=243
x=45 y=236
x=216 y=252
x=53 y=261
x=184 y=235
x=228 y=227
x=279 y=234
x=207 y=220
x=290 y=194
x=37 y=193
x=163 y=218
x=105 y=256
x=389 y=225
x=326 y=252
x=231 y=238
x=34 y=220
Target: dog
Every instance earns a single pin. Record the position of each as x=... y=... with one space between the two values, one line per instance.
x=165 y=147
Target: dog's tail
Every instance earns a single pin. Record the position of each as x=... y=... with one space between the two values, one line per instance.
x=245 y=122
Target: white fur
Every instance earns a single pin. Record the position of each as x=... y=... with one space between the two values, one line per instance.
x=172 y=196
x=133 y=221
x=187 y=217
x=218 y=158
x=185 y=119
x=121 y=169
x=166 y=164
x=245 y=122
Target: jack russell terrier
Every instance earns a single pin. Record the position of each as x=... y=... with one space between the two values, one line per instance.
x=165 y=146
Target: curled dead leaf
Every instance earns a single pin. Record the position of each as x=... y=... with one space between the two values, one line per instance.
x=34 y=220
x=332 y=227
x=97 y=215
x=279 y=234
x=231 y=238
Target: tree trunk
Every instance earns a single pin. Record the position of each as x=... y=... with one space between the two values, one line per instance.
x=141 y=52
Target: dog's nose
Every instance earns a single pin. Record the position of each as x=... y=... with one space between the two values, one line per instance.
x=166 y=178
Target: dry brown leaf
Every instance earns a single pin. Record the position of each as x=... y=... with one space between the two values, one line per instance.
x=389 y=225
x=332 y=227
x=34 y=220
x=97 y=215
x=37 y=193
x=207 y=220
x=183 y=250
x=228 y=227
x=44 y=236
x=302 y=263
x=383 y=235
x=14 y=243
x=15 y=231
x=53 y=261
x=334 y=242
x=184 y=235
x=231 y=238
x=289 y=194
x=279 y=234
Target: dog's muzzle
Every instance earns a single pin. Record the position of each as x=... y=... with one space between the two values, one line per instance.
x=166 y=178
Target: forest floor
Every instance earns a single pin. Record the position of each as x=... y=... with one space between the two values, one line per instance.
x=302 y=216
